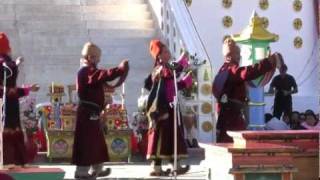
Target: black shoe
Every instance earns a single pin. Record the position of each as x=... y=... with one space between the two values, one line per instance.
x=84 y=177
x=189 y=144
x=183 y=170
x=161 y=173
x=195 y=143
x=103 y=173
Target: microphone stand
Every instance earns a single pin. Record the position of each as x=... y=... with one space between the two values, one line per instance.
x=176 y=124
x=3 y=112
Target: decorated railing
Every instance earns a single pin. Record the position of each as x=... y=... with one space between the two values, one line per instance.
x=179 y=31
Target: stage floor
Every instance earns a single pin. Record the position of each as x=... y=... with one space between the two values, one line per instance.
x=137 y=168
x=136 y=171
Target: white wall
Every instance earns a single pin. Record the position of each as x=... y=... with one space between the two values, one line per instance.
x=208 y=15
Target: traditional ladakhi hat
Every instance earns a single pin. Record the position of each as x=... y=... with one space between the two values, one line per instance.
x=90 y=49
x=155 y=48
x=4 y=44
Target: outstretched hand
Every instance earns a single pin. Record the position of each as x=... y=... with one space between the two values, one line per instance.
x=19 y=60
x=124 y=64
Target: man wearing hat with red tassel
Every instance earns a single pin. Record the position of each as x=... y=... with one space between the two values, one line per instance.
x=160 y=111
x=14 y=149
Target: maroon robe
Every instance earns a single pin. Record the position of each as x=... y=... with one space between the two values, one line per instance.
x=160 y=138
x=231 y=115
x=13 y=138
x=89 y=146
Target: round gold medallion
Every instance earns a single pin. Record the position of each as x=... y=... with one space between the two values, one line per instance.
x=188 y=2
x=264 y=4
x=298 y=42
x=206 y=89
x=206 y=108
x=297 y=5
x=227 y=3
x=265 y=22
x=207 y=126
x=227 y=21
x=297 y=23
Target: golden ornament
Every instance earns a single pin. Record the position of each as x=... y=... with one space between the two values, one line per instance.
x=264 y=4
x=297 y=5
x=297 y=23
x=227 y=21
x=206 y=108
x=206 y=75
x=207 y=126
x=298 y=42
x=188 y=2
x=227 y=3
x=206 y=89
x=265 y=22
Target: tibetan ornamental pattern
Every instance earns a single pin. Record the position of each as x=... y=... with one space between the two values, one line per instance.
x=297 y=23
x=206 y=89
x=298 y=42
x=226 y=3
x=227 y=21
x=206 y=108
x=207 y=126
x=297 y=5
x=264 y=4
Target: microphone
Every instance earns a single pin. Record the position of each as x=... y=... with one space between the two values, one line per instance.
x=196 y=61
x=4 y=64
x=173 y=65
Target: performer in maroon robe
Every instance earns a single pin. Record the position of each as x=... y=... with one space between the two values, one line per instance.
x=14 y=148
x=229 y=88
x=161 y=113
x=89 y=149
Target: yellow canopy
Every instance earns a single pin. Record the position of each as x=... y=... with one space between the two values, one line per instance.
x=255 y=31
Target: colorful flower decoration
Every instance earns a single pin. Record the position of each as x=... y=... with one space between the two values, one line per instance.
x=117 y=123
x=227 y=21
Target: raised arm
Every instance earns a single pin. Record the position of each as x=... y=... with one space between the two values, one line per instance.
x=247 y=73
x=99 y=76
